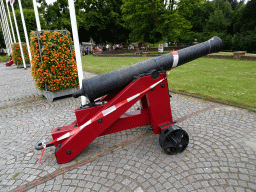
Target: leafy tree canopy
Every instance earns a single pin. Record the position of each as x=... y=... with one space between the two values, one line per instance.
x=201 y=15
x=150 y=21
x=30 y=21
x=217 y=22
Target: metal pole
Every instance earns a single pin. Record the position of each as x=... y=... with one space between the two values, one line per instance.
x=4 y=29
x=18 y=34
x=7 y=26
x=36 y=15
x=77 y=47
x=3 y=32
x=14 y=39
x=6 y=21
x=25 y=31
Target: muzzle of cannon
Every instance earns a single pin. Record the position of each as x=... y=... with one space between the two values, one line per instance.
x=112 y=94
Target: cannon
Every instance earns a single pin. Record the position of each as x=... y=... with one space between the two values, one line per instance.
x=112 y=94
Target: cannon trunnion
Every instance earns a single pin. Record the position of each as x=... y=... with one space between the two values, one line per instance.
x=117 y=91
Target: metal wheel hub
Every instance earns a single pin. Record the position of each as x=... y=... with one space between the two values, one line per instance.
x=173 y=140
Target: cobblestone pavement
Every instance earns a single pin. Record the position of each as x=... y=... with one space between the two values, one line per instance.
x=221 y=155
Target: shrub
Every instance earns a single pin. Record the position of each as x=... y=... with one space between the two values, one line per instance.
x=16 y=53
x=4 y=58
x=245 y=41
x=56 y=68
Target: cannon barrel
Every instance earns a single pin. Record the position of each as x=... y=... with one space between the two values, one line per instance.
x=113 y=81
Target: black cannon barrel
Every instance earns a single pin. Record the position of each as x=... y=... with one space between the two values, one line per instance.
x=101 y=85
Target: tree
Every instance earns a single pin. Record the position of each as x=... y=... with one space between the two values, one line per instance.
x=30 y=21
x=173 y=27
x=57 y=15
x=248 y=17
x=237 y=17
x=26 y=4
x=150 y=21
x=217 y=22
x=201 y=15
x=186 y=7
x=142 y=18
x=99 y=19
x=234 y=3
x=245 y=27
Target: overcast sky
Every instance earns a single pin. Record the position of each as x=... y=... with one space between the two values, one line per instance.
x=49 y=1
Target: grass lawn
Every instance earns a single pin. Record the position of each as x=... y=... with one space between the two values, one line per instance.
x=4 y=58
x=231 y=81
x=106 y=64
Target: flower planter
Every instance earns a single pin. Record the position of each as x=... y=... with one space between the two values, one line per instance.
x=53 y=64
x=16 y=54
x=49 y=95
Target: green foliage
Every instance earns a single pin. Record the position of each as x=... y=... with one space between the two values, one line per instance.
x=142 y=18
x=237 y=17
x=26 y=4
x=226 y=8
x=245 y=41
x=186 y=7
x=150 y=21
x=233 y=22
x=102 y=20
x=57 y=15
x=247 y=19
x=201 y=15
x=217 y=22
x=30 y=21
x=99 y=19
x=4 y=58
x=174 y=27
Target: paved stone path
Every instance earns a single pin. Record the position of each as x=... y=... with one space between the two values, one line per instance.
x=221 y=155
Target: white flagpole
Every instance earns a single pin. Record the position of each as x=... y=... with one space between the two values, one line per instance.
x=18 y=34
x=77 y=47
x=5 y=32
x=6 y=22
x=7 y=26
x=25 y=31
x=14 y=39
x=36 y=15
